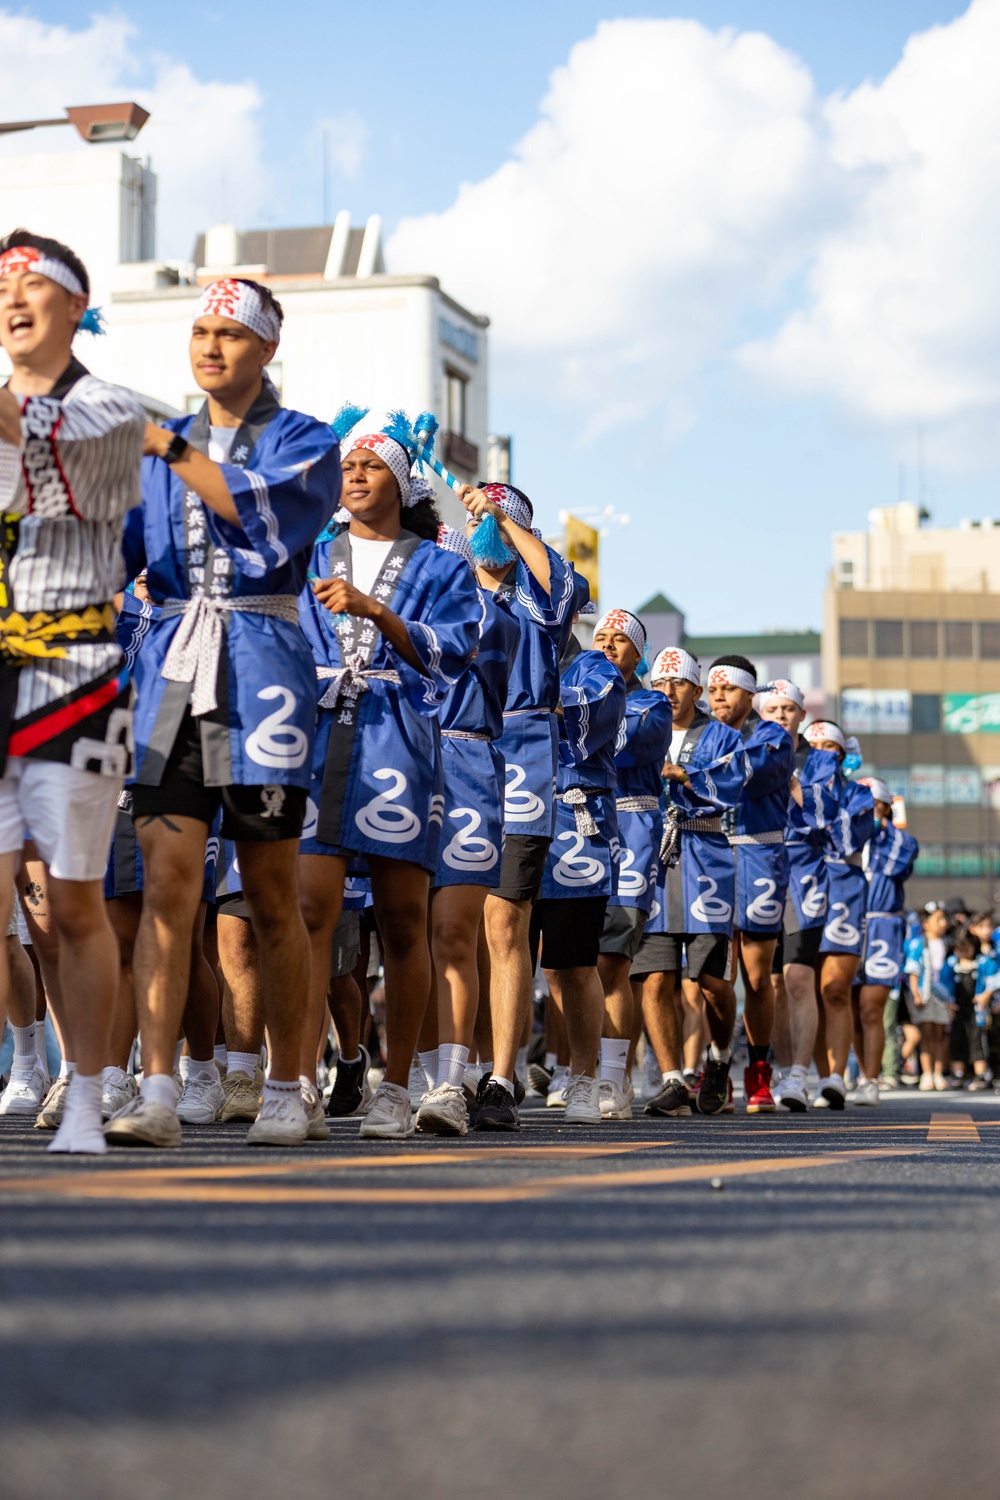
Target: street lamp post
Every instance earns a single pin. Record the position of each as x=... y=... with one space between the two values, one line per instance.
x=96 y=123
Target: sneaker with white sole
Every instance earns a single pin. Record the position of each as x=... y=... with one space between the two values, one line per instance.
x=144 y=1122
x=51 y=1113
x=583 y=1100
x=201 y=1100
x=926 y=1084
x=443 y=1111
x=417 y=1084
x=833 y=1090
x=26 y=1088
x=390 y=1117
x=118 y=1088
x=281 y=1121
x=613 y=1101
x=792 y=1095
x=241 y=1097
x=866 y=1092
x=556 y=1096
x=312 y=1103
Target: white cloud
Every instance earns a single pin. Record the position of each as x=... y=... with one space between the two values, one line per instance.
x=203 y=136
x=673 y=178
x=901 y=321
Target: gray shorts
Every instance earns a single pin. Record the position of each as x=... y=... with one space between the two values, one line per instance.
x=623 y=929
x=346 y=946
x=666 y=952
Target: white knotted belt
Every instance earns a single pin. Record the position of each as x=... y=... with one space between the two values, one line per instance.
x=637 y=804
x=576 y=798
x=348 y=682
x=196 y=649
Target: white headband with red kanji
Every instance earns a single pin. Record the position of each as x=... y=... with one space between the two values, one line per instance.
x=233 y=299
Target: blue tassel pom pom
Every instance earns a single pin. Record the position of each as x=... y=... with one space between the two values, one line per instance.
x=489 y=550
x=347 y=419
x=93 y=321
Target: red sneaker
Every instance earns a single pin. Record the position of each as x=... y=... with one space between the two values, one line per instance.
x=757 y=1087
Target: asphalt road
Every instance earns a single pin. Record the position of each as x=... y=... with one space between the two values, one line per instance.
x=571 y=1312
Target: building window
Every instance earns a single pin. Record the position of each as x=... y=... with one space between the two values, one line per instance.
x=888 y=637
x=964 y=859
x=924 y=638
x=854 y=637
x=927 y=786
x=958 y=638
x=962 y=786
x=455 y=404
x=989 y=640
x=930 y=860
x=845 y=573
x=925 y=710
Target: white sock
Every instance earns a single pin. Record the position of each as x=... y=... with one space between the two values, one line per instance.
x=451 y=1063
x=614 y=1052
x=720 y=1054
x=676 y=1076
x=84 y=1099
x=521 y=1066
x=67 y=1068
x=429 y=1062
x=550 y=1062
x=159 y=1088
x=242 y=1062
x=276 y=1090
x=506 y=1083
x=24 y=1048
x=183 y=1067
x=201 y=1071
x=798 y=1072
x=221 y=1055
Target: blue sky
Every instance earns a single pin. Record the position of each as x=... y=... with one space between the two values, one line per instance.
x=735 y=465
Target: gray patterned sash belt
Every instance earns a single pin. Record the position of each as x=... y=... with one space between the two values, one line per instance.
x=576 y=798
x=196 y=649
x=776 y=836
x=350 y=681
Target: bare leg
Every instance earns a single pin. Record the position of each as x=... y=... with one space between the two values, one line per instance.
x=583 y=1012
x=661 y=1012
x=242 y=994
x=720 y=1010
x=271 y=891
x=33 y=892
x=124 y=913
x=88 y=952
x=871 y=1004
x=693 y=1024
x=400 y=893
x=346 y=1010
x=613 y=969
x=836 y=977
x=173 y=854
x=507 y=926
x=455 y=920
x=781 y=1039
x=803 y=1013
x=201 y=1011
x=756 y=957
x=321 y=892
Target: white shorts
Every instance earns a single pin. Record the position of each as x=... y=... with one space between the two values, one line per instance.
x=71 y=815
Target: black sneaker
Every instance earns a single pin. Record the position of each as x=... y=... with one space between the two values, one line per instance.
x=497 y=1109
x=519 y=1091
x=540 y=1077
x=714 y=1092
x=673 y=1099
x=350 y=1086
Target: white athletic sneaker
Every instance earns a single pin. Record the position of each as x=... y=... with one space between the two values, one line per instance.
x=926 y=1084
x=118 y=1088
x=26 y=1088
x=792 y=1096
x=583 y=1100
x=312 y=1103
x=866 y=1092
x=833 y=1090
x=556 y=1096
x=390 y=1117
x=417 y=1085
x=443 y=1111
x=819 y=1102
x=614 y=1102
x=201 y=1100
x=941 y=1083
x=144 y=1122
x=280 y=1122
x=51 y=1113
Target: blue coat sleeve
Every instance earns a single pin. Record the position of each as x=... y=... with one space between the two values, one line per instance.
x=134 y=540
x=717 y=774
x=285 y=502
x=446 y=636
x=859 y=818
x=593 y=698
x=548 y=611
x=892 y=852
x=770 y=753
x=822 y=787
x=644 y=736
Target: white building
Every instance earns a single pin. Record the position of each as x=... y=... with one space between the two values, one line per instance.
x=351 y=332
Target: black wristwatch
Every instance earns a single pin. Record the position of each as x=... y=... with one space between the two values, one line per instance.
x=177 y=449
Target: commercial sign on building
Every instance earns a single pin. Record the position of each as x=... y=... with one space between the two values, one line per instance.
x=971 y=713
x=875 y=711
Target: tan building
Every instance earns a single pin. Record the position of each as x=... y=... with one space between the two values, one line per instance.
x=911 y=664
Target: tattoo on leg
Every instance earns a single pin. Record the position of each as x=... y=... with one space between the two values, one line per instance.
x=159 y=818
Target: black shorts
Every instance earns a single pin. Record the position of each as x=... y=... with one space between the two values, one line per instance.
x=707 y=953
x=250 y=814
x=570 y=930
x=623 y=929
x=522 y=867
x=797 y=948
x=233 y=904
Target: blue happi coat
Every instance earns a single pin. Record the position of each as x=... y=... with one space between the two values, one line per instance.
x=756 y=826
x=846 y=837
x=641 y=748
x=698 y=893
x=530 y=734
x=889 y=859
x=471 y=723
x=583 y=857
x=285 y=483
x=377 y=768
x=805 y=836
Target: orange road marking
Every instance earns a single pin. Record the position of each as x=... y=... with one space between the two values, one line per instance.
x=953 y=1127
x=136 y=1187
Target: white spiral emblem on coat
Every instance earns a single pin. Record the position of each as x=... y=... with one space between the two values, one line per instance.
x=708 y=907
x=465 y=851
x=813 y=899
x=878 y=964
x=518 y=806
x=839 y=930
x=379 y=819
x=571 y=869
x=630 y=882
x=275 y=742
x=764 y=908
x=310 y=825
